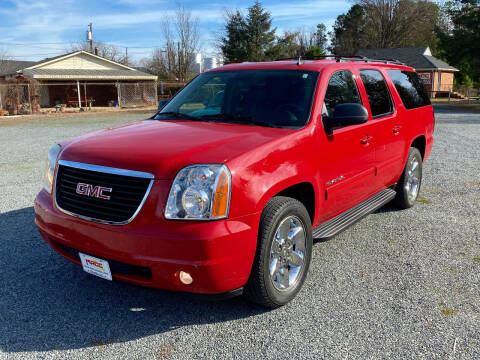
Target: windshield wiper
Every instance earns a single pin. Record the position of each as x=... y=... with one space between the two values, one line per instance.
x=246 y=120
x=178 y=115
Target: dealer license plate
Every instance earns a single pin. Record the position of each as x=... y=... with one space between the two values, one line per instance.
x=96 y=266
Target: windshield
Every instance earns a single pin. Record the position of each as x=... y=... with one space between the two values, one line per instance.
x=276 y=98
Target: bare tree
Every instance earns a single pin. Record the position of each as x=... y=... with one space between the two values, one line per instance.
x=174 y=61
x=107 y=51
x=3 y=60
x=3 y=66
x=188 y=41
x=397 y=23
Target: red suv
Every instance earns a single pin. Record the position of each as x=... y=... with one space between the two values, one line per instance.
x=223 y=190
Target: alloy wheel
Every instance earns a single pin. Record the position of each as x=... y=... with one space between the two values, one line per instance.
x=287 y=253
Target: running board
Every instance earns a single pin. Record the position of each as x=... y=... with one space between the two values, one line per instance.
x=344 y=220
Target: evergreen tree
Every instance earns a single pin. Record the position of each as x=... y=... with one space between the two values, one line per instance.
x=234 y=43
x=320 y=38
x=348 y=32
x=460 y=44
x=248 y=38
x=285 y=46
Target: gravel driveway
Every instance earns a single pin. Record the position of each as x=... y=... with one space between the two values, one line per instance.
x=397 y=285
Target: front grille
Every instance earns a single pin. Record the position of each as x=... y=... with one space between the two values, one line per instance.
x=129 y=190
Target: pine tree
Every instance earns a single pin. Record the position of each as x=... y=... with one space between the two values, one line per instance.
x=259 y=33
x=234 y=44
x=247 y=38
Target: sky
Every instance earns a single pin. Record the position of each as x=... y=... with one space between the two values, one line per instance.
x=36 y=29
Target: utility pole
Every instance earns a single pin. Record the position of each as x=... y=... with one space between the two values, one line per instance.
x=179 y=66
x=126 y=56
x=90 y=37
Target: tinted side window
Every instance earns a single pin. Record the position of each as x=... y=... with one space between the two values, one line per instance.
x=341 y=89
x=377 y=92
x=410 y=88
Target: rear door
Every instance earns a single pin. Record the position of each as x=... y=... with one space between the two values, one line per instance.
x=347 y=158
x=388 y=129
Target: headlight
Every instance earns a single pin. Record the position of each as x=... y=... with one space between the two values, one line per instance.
x=51 y=163
x=200 y=192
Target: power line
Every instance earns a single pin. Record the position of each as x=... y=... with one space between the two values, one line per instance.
x=76 y=42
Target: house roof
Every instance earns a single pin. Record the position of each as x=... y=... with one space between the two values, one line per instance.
x=74 y=74
x=419 y=57
x=78 y=65
x=8 y=67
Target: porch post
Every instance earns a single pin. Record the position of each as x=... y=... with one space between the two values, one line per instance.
x=156 y=93
x=79 y=95
x=118 y=95
x=85 y=92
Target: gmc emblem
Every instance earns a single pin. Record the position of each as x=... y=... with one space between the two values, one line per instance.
x=93 y=191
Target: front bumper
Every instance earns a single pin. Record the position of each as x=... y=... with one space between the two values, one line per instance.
x=218 y=254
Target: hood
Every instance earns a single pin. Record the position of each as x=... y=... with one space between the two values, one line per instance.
x=162 y=148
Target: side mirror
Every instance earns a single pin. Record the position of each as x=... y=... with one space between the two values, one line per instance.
x=345 y=115
x=162 y=104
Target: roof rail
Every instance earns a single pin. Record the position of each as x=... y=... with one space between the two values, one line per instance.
x=340 y=58
x=320 y=57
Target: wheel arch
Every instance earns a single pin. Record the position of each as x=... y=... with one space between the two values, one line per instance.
x=303 y=191
x=420 y=143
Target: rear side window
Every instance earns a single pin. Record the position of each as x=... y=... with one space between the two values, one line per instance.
x=341 y=89
x=377 y=92
x=410 y=88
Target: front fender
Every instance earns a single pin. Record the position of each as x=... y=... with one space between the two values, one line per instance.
x=264 y=172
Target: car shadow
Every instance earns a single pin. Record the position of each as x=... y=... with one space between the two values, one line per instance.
x=386 y=209
x=48 y=303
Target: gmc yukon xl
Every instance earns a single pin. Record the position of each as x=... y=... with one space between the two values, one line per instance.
x=224 y=189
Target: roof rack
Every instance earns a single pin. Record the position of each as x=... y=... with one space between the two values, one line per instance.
x=341 y=58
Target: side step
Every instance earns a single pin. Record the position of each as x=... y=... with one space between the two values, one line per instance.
x=342 y=221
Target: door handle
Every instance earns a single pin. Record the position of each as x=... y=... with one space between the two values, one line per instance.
x=366 y=140
x=396 y=129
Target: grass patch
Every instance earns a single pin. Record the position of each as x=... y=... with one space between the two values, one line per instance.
x=455 y=106
x=473 y=183
x=422 y=200
x=448 y=312
x=445 y=311
x=476 y=259
x=454 y=270
x=103 y=343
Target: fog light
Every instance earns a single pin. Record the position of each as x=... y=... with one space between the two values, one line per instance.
x=185 y=278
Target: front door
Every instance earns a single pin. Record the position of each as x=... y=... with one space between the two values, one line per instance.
x=347 y=159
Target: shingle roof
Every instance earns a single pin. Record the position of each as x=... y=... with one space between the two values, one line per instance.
x=121 y=73
x=9 y=67
x=418 y=57
x=77 y=74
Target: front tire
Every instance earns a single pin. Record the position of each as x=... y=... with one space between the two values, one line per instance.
x=409 y=184
x=284 y=250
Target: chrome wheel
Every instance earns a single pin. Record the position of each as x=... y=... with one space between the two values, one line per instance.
x=412 y=181
x=287 y=253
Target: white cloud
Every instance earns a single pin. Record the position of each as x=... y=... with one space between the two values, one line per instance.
x=66 y=21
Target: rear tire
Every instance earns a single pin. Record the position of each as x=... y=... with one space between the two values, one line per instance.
x=283 y=254
x=408 y=187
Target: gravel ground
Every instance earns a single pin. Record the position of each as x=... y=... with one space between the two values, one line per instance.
x=397 y=285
